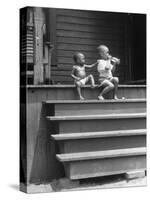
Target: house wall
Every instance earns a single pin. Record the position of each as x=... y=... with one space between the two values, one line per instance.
x=83 y=31
x=71 y=31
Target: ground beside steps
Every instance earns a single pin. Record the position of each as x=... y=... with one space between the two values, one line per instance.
x=99 y=138
x=64 y=184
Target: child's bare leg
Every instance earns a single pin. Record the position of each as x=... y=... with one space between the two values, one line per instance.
x=115 y=81
x=108 y=86
x=91 y=78
x=79 y=92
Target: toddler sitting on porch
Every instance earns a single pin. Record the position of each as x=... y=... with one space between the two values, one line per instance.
x=79 y=73
x=106 y=65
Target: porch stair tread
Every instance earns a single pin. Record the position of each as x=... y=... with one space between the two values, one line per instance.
x=70 y=157
x=86 y=86
x=94 y=101
x=100 y=134
x=97 y=116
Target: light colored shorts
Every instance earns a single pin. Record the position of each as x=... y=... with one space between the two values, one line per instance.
x=102 y=79
x=82 y=82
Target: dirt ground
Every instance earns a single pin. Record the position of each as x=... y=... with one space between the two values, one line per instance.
x=97 y=183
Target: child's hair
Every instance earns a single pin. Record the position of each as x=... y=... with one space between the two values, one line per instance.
x=75 y=56
x=102 y=47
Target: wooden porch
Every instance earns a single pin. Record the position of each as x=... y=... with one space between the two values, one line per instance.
x=55 y=126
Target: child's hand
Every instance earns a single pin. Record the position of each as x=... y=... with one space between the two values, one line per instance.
x=115 y=60
x=118 y=61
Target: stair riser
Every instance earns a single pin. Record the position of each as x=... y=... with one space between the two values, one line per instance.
x=97 y=144
x=76 y=126
x=103 y=167
x=102 y=108
x=67 y=93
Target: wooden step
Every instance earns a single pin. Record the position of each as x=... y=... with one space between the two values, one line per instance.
x=94 y=123
x=102 y=163
x=104 y=134
x=101 y=154
x=65 y=92
x=77 y=107
x=97 y=141
x=95 y=117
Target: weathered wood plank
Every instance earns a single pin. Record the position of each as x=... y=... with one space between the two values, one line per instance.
x=88 y=21
x=69 y=60
x=75 y=126
x=78 y=34
x=85 y=47
x=95 y=117
x=38 y=67
x=97 y=141
x=94 y=155
x=92 y=41
x=87 y=135
x=127 y=91
x=105 y=167
x=88 y=55
x=135 y=174
x=102 y=143
x=59 y=79
x=52 y=31
x=88 y=14
x=88 y=28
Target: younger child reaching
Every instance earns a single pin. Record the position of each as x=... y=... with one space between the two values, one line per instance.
x=106 y=65
x=79 y=73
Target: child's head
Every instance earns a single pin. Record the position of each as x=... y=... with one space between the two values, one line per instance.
x=79 y=58
x=103 y=52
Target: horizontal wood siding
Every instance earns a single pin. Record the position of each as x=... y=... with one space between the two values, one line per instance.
x=83 y=31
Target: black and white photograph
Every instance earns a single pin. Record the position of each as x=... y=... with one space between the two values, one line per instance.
x=82 y=99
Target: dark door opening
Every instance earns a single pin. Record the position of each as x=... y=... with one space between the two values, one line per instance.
x=138 y=45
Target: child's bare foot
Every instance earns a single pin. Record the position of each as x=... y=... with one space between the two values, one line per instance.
x=115 y=97
x=123 y=98
x=81 y=98
x=100 y=97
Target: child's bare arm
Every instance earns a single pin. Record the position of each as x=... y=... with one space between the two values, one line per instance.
x=92 y=65
x=115 y=61
x=73 y=75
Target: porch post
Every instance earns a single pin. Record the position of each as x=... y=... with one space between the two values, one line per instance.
x=38 y=55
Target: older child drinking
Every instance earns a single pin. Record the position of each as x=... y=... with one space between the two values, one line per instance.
x=106 y=65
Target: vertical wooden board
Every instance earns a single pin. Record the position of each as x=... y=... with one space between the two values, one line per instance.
x=23 y=144
x=35 y=135
x=38 y=57
x=41 y=150
x=52 y=32
x=32 y=132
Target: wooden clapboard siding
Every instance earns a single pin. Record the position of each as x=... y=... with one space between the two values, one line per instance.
x=89 y=41
x=84 y=21
x=83 y=31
